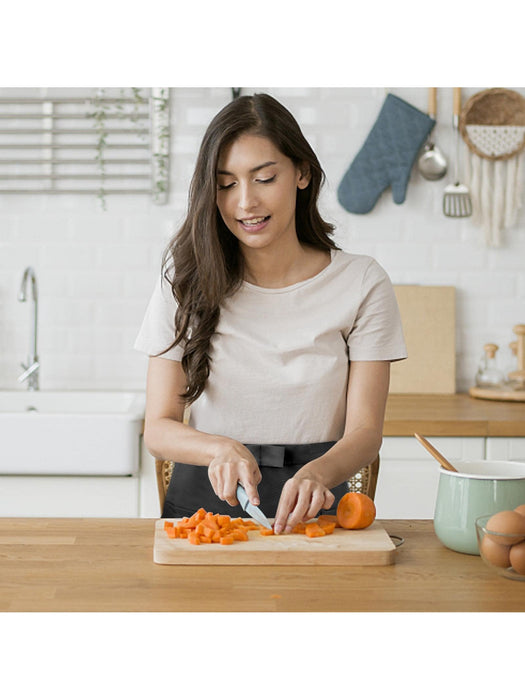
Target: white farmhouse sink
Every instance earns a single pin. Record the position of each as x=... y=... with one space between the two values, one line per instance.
x=70 y=432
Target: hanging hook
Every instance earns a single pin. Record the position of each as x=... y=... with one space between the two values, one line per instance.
x=236 y=92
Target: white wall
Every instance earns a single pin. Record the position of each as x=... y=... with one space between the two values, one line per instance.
x=96 y=268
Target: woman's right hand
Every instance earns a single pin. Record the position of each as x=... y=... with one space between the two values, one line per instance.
x=234 y=463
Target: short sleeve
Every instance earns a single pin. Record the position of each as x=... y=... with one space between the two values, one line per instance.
x=158 y=327
x=377 y=333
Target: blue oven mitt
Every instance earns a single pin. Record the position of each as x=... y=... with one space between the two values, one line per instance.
x=387 y=156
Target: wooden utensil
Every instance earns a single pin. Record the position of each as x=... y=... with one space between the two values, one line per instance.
x=435 y=453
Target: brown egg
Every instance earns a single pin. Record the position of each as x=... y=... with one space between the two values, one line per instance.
x=497 y=554
x=517 y=558
x=520 y=510
x=507 y=522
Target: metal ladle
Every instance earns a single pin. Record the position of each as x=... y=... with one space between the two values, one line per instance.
x=432 y=163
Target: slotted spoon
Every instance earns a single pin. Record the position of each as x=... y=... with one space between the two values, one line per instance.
x=456 y=198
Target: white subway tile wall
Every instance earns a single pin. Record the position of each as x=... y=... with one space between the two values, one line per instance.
x=96 y=269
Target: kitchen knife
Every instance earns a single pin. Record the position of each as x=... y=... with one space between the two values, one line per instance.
x=256 y=513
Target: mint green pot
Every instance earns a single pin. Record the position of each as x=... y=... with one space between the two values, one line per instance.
x=478 y=488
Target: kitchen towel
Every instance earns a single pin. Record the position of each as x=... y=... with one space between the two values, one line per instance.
x=387 y=156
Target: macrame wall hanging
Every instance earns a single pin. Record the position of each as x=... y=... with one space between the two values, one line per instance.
x=492 y=124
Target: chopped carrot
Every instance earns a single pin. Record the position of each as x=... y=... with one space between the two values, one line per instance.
x=325 y=518
x=197 y=517
x=211 y=524
x=355 y=511
x=266 y=531
x=313 y=530
x=205 y=527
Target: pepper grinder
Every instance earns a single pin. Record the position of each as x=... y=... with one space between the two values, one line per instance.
x=488 y=375
x=518 y=376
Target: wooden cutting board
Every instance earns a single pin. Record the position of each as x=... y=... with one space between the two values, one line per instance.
x=428 y=314
x=369 y=547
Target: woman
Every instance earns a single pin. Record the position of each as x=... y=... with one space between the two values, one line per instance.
x=278 y=340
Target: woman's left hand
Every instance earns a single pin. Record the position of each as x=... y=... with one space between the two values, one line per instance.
x=301 y=499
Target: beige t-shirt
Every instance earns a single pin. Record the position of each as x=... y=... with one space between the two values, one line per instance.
x=280 y=357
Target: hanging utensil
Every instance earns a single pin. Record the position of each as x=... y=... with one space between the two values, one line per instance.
x=432 y=163
x=456 y=198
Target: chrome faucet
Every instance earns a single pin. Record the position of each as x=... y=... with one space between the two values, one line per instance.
x=30 y=373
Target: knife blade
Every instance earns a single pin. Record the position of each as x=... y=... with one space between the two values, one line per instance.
x=256 y=513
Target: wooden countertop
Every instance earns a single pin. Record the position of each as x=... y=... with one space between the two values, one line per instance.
x=106 y=565
x=453 y=415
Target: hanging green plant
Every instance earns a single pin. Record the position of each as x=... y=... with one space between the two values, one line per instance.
x=138 y=100
x=104 y=108
x=161 y=136
x=100 y=116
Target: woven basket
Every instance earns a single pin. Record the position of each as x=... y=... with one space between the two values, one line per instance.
x=497 y=108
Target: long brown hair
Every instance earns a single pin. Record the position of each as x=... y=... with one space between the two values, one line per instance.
x=203 y=262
